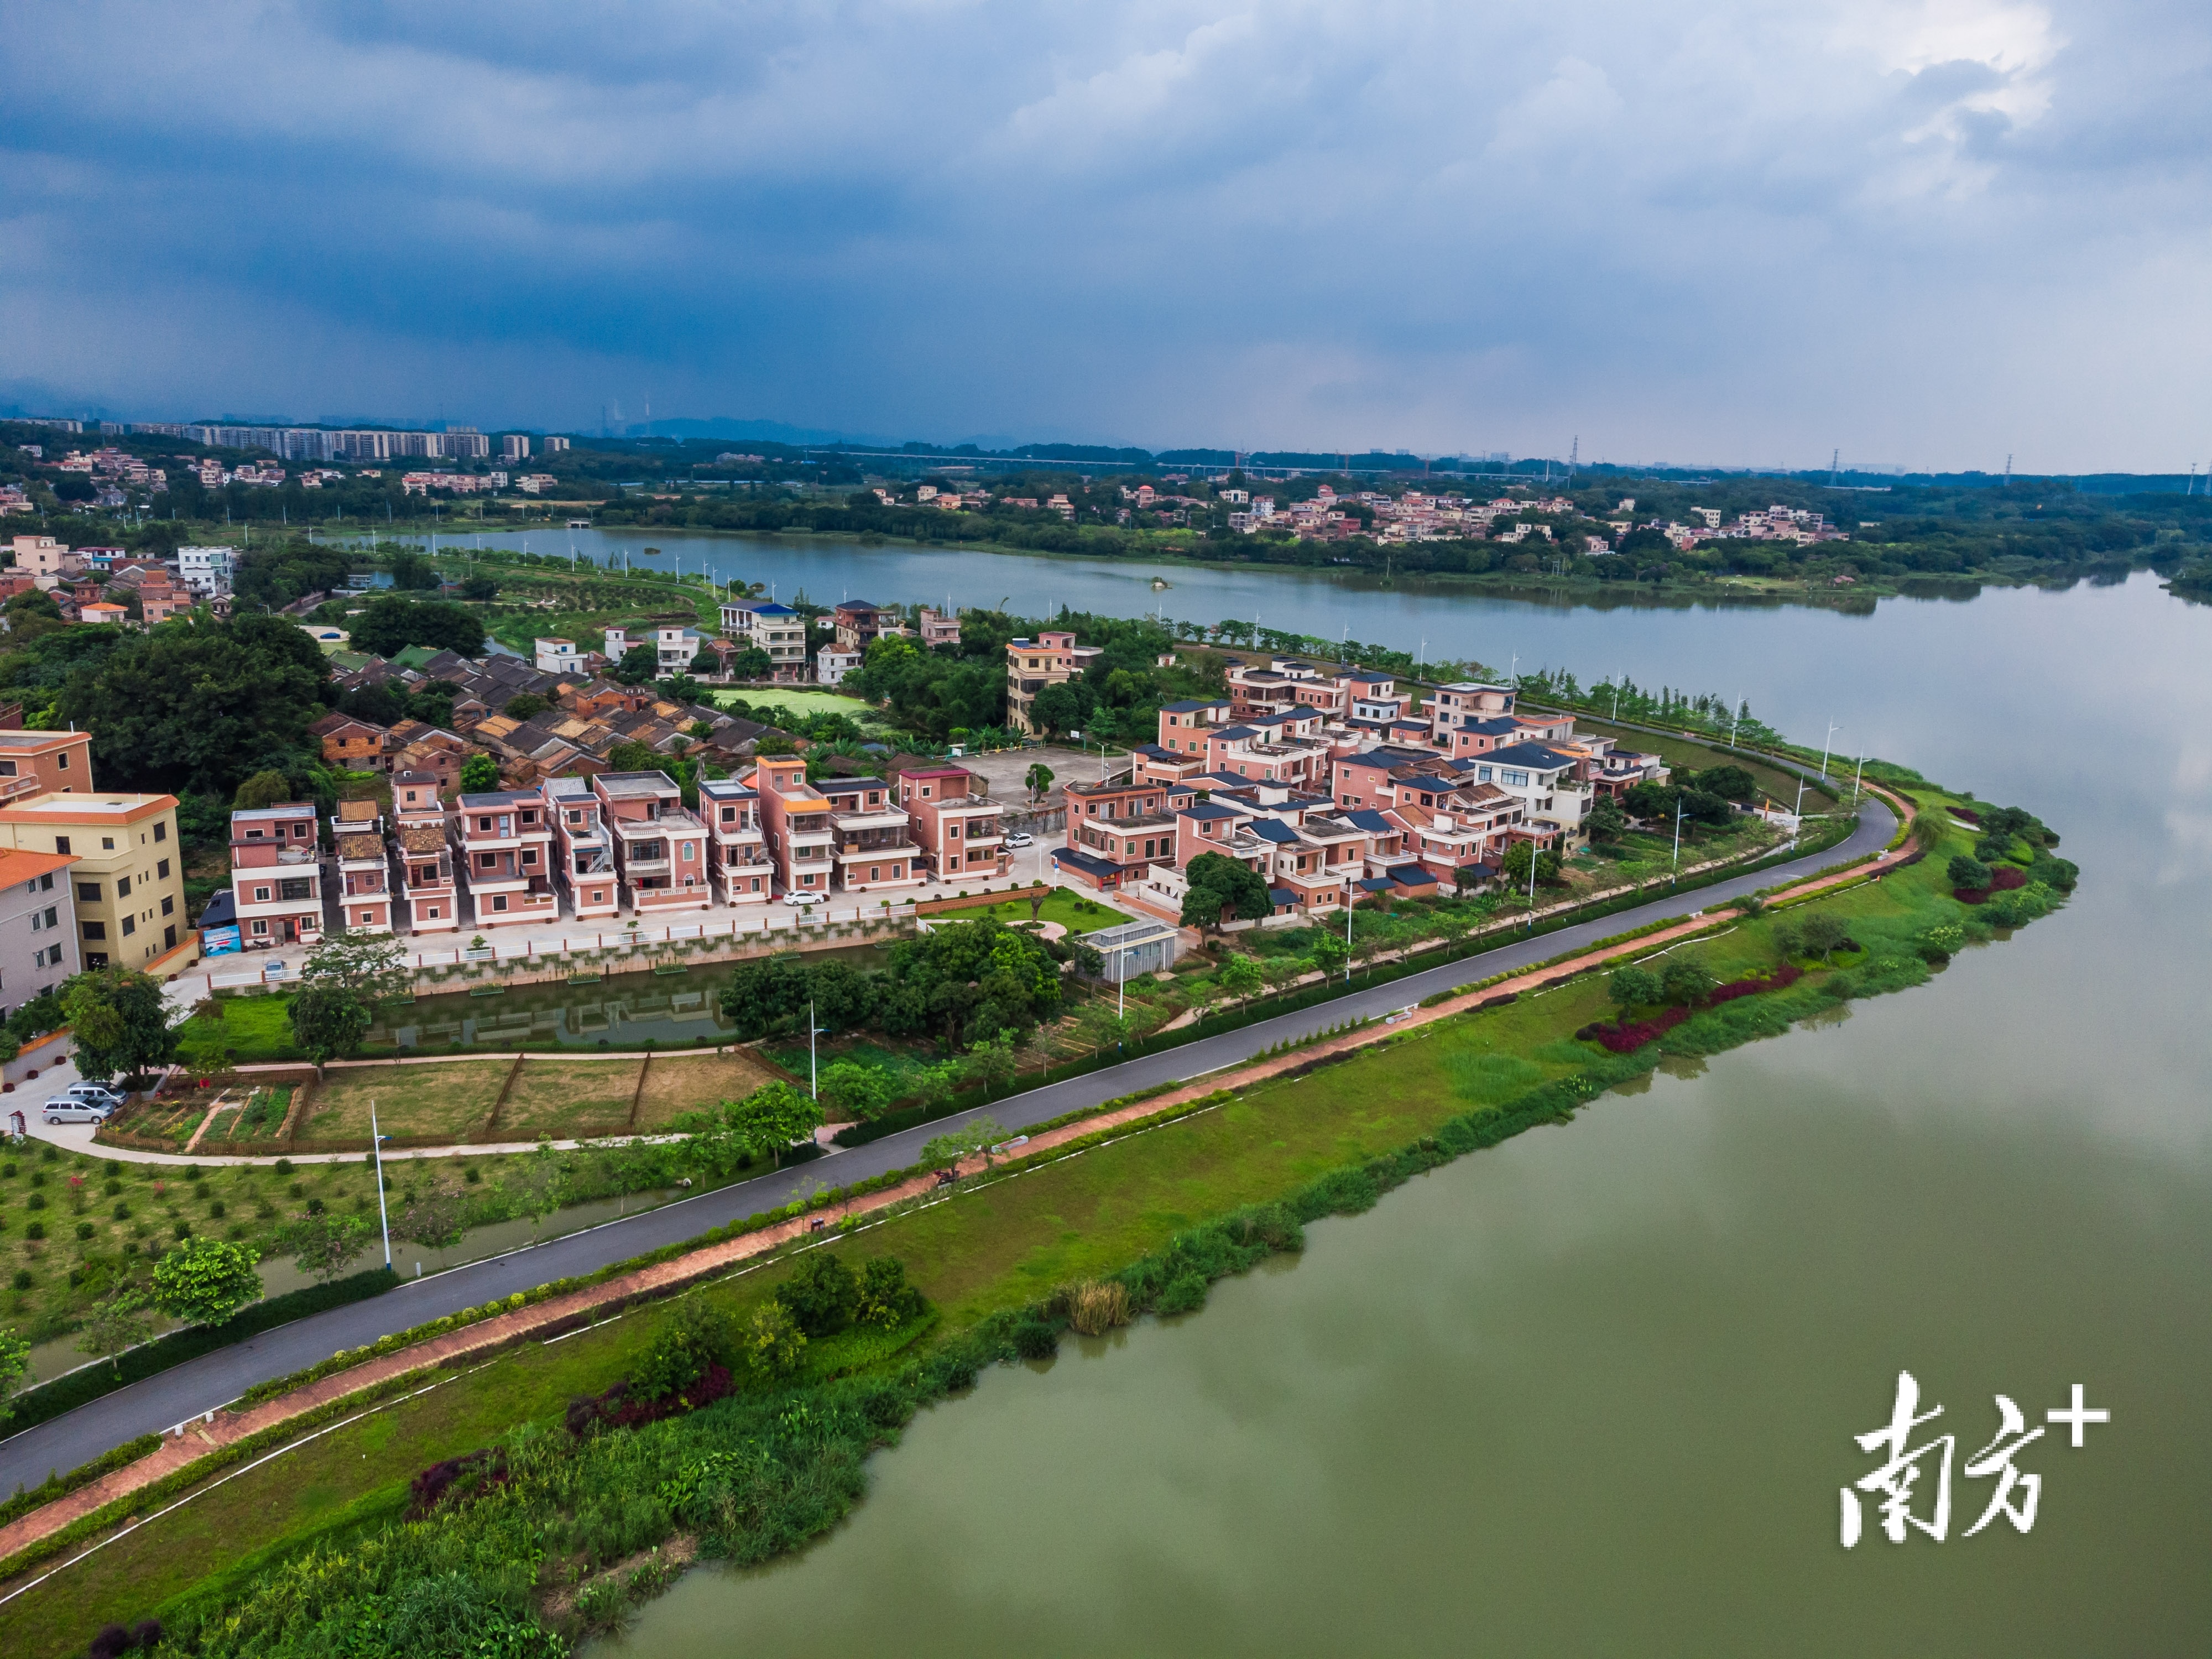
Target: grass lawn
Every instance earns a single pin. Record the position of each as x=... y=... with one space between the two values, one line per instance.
x=567 y=1099
x=253 y=1029
x=444 y=1102
x=1071 y=910
x=800 y=701
x=673 y=1086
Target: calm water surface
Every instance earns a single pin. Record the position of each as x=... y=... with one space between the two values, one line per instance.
x=1595 y=1391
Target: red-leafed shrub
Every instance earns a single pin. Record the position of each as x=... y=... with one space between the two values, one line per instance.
x=475 y=1472
x=615 y=1409
x=2004 y=878
x=1630 y=1035
x=1966 y=817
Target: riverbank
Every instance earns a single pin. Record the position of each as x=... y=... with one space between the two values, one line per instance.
x=998 y=1255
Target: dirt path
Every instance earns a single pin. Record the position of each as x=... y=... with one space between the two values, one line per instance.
x=224 y=1428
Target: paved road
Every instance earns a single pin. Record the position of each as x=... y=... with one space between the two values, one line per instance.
x=202 y=1384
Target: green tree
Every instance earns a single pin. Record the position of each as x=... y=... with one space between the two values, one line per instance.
x=1037 y=780
x=765 y=1123
x=1686 y=980
x=1328 y=951
x=886 y=1300
x=978 y=1135
x=324 y=1246
x=14 y=1360
x=1220 y=884
x=202 y=1281
x=1240 y=977
x=373 y=966
x=1968 y=873
x=390 y=624
x=1060 y=707
x=859 y=1091
x=1513 y=868
x=479 y=774
x=196 y=706
x=117 y=1322
x=751 y=664
x=266 y=788
x=435 y=1220
x=1607 y=822
x=639 y=665
x=821 y=1294
x=523 y=704
x=772 y=1347
x=118 y=1021
x=1632 y=987
x=479 y=588
x=694 y=1335
x=1824 y=935
x=328 y=1021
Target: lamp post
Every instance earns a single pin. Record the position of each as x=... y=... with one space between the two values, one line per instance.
x=1347 y=928
x=813 y=1070
x=1832 y=729
x=1676 y=872
x=376 y=1152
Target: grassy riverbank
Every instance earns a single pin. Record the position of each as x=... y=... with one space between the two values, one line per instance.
x=301 y=1545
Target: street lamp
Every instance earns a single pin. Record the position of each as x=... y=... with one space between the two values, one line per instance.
x=1832 y=729
x=813 y=1070
x=1676 y=874
x=376 y=1155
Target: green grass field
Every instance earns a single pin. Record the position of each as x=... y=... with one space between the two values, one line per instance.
x=801 y=700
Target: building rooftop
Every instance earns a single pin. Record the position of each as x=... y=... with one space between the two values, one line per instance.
x=636 y=786
x=18 y=864
x=495 y=798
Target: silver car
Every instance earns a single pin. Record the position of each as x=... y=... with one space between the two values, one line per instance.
x=71 y=1109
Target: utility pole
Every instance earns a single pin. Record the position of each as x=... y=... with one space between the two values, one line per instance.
x=1855 y=776
x=813 y=1070
x=1677 y=872
x=1832 y=729
x=383 y=1214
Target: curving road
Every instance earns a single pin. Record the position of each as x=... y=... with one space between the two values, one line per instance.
x=200 y=1385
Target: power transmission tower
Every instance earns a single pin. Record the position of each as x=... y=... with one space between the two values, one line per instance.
x=1574 y=456
x=2008 y=477
x=1834 y=457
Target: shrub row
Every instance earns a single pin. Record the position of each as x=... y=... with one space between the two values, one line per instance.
x=60 y=1485
x=1625 y=1036
x=78 y=1387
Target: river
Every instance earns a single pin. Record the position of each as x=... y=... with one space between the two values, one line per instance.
x=1597 y=1390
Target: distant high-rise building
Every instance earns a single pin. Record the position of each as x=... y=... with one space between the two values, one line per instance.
x=555 y=445
x=514 y=447
x=466 y=443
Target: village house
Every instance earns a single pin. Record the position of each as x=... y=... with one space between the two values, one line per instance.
x=583 y=851
x=421 y=855
x=503 y=849
x=796 y=817
x=661 y=848
x=737 y=847
x=1052 y=658
x=364 y=878
x=356 y=745
x=276 y=875
x=956 y=826
x=872 y=843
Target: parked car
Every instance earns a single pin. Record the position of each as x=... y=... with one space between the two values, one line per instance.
x=1018 y=838
x=61 y=1108
x=95 y=1094
x=801 y=897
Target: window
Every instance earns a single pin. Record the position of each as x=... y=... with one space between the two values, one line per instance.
x=7 y=768
x=123 y=887
x=160 y=830
x=433 y=914
x=875 y=872
x=47 y=882
x=61 y=762
x=96 y=959
x=107 y=843
x=162 y=871
x=168 y=905
x=529 y=855
x=169 y=935
x=487 y=861
x=130 y=926
x=61 y=843
x=952 y=832
x=499 y=901
x=52 y=916
x=261 y=895
x=99 y=929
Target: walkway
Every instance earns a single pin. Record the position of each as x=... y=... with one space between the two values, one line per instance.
x=201 y=1385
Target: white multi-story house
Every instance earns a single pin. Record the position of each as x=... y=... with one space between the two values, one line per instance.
x=775 y=628
x=554 y=655
x=736 y=846
x=207 y=570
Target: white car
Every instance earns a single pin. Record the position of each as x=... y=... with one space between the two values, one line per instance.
x=65 y=1108
x=802 y=898
x=1018 y=838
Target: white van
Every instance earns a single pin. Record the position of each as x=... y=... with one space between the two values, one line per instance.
x=82 y=1103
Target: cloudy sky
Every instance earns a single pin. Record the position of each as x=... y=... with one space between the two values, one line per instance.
x=1931 y=233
